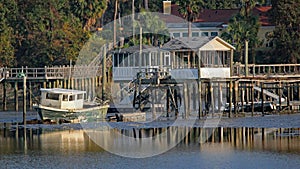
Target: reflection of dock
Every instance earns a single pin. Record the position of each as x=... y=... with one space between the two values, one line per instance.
x=144 y=141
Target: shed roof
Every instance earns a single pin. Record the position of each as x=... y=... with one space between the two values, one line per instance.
x=135 y=49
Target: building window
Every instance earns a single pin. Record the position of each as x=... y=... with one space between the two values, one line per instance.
x=214 y=34
x=167 y=58
x=125 y=60
x=195 y=34
x=131 y=60
x=204 y=33
x=185 y=34
x=153 y=61
x=116 y=62
x=176 y=35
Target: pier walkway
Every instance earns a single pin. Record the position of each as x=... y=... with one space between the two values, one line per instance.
x=86 y=71
x=267 y=70
x=47 y=73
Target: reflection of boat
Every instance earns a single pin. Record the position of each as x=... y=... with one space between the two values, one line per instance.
x=268 y=106
x=69 y=104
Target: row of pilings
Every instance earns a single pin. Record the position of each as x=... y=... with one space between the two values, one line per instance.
x=215 y=94
x=240 y=96
x=235 y=97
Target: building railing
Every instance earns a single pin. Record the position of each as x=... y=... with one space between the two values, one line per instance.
x=267 y=70
x=127 y=73
x=55 y=72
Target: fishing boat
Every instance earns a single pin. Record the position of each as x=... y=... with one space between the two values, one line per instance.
x=67 y=104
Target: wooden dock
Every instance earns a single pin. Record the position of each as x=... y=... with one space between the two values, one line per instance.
x=277 y=83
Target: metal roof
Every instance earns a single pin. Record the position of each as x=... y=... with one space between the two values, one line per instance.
x=182 y=43
x=196 y=43
x=135 y=49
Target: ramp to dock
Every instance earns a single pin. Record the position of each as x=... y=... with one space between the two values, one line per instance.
x=266 y=92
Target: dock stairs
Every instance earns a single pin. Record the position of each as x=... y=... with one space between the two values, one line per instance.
x=268 y=93
x=134 y=97
x=138 y=94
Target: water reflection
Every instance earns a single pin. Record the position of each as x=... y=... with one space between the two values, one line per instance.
x=12 y=140
x=67 y=141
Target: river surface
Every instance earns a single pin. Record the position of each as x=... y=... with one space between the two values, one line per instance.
x=258 y=142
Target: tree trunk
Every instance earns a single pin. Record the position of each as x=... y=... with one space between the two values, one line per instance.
x=241 y=56
x=293 y=59
x=115 y=24
x=146 y=5
x=133 y=11
x=253 y=56
x=155 y=39
x=190 y=29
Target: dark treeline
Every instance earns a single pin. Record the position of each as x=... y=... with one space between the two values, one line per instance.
x=40 y=33
x=45 y=32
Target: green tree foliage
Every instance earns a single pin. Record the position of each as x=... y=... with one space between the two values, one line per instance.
x=48 y=33
x=241 y=27
x=6 y=34
x=88 y=11
x=231 y=4
x=219 y=4
x=38 y=33
x=190 y=10
x=287 y=31
x=154 y=28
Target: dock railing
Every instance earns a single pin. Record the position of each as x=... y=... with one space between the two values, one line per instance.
x=263 y=70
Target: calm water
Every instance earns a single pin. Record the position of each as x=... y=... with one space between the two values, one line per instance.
x=241 y=147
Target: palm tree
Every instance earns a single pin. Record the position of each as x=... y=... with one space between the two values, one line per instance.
x=247 y=5
x=190 y=10
x=88 y=11
x=241 y=28
x=115 y=23
x=153 y=27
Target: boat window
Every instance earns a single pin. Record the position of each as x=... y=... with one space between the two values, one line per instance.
x=52 y=96
x=65 y=97
x=79 y=96
x=72 y=97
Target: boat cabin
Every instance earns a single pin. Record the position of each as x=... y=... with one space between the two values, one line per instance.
x=62 y=98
